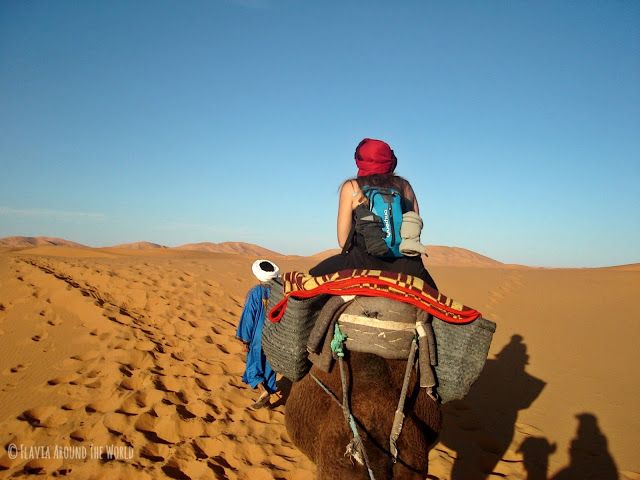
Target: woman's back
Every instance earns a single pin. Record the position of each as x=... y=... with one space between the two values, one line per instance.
x=376 y=163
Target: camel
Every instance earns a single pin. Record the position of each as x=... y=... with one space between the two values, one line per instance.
x=316 y=424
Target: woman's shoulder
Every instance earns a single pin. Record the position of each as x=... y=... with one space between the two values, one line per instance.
x=351 y=183
x=349 y=188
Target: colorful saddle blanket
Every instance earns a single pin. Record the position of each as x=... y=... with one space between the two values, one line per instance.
x=373 y=283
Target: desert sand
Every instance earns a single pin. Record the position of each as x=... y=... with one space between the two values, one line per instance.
x=130 y=354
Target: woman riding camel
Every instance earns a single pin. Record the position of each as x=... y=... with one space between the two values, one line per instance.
x=361 y=234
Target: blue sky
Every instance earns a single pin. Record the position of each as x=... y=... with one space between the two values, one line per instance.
x=518 y=123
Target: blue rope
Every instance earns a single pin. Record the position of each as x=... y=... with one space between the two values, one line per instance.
x=338 y=341
x=350 y=421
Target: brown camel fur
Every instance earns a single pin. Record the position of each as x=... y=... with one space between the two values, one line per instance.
x=316 y=424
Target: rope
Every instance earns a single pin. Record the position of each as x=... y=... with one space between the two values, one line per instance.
x=357 y=440
x=326 y=389
x=356 y=446
x=338 y=341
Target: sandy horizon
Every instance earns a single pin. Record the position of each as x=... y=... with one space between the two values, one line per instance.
x=135 y=348
x=438 y=255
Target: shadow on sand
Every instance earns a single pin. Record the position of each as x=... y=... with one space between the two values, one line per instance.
x=589 y=453
x=535 y=453
x=481 y=427
x=284 y=387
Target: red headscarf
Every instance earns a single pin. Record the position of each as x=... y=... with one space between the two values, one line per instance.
x=374 y=157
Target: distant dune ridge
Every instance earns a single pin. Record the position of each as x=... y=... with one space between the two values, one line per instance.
x=22 y=242
x=438 y=255
x=223 y=247
x=326 y=253
x=139 y=245
x=631 y=267
x=229 y=247
x=441 y=255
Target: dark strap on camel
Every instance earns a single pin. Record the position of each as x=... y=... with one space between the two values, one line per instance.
x=424 y=343
x=398 y=418
x=426 y=357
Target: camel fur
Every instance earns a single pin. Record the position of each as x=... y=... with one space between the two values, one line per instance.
x=316 y=424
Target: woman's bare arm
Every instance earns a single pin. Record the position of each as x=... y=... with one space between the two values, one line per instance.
x=345 y=207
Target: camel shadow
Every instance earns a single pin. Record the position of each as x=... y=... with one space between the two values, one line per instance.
x=480 y=428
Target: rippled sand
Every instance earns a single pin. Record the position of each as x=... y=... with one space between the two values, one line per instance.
x=135 y=349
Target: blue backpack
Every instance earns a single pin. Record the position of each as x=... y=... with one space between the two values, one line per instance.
x=386 y=203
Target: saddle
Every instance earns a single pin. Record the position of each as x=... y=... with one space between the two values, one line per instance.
x=451 y=356
x=318 y=329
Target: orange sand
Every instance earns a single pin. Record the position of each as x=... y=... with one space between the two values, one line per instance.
x=135 y=348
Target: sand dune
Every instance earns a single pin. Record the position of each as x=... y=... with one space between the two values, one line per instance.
x=139 y=245
x=113 y=350
x=229 y=247
x=456 y=256
x=135 y=349
x=438 y=255
x=631 y=267
x=25 y=242
x=325 y=254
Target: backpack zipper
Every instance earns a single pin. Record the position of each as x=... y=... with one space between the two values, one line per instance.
x=393 y=230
